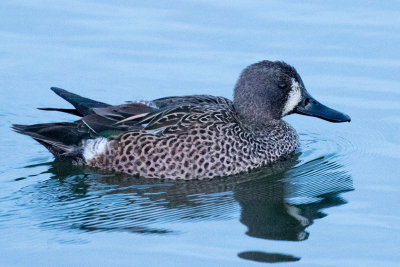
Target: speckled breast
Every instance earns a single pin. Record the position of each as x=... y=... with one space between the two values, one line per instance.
x=202 y=151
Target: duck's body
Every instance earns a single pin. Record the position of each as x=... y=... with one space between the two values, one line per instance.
x=190 y=137
x=205 y=141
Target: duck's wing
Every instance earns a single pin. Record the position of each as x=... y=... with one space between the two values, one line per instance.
x=192 y=100
x=116 y=119
x=178 y=113
x=99 y=117
x=160 y=114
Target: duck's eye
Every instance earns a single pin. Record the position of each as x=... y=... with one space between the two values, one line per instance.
x=282 y=85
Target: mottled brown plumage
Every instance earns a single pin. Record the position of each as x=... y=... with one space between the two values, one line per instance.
x=202 y=142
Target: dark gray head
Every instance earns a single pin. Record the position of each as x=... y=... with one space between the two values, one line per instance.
x=269 y=90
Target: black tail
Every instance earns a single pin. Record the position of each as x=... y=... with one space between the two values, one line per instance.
x=83 y=106
x=65 y=110
x=61 y=139
x=64 y=139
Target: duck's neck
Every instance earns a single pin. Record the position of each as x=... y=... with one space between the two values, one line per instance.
x=265 y=126
x=275 y=135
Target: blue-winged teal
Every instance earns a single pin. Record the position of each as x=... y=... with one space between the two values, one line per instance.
x=187 y=137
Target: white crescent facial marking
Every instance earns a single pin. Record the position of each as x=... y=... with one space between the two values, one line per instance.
x=294 y=98
x=94 y=147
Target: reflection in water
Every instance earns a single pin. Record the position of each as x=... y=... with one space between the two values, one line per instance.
x=280 y=206
x=276 y=203
x=266 y=257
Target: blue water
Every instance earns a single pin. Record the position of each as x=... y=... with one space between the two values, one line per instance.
x=334 y=203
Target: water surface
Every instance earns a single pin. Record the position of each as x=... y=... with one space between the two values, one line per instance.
x=334 y=203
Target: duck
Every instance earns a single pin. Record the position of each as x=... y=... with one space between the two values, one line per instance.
x=187 y=137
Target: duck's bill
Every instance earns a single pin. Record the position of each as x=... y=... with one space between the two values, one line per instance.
x=311 y=107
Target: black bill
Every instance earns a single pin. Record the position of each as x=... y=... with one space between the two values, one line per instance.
x=311 y=107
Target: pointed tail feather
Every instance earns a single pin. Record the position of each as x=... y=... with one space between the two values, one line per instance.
x=65 y=110
x=82 y=104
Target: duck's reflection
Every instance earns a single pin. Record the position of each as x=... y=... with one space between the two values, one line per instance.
x=267 y=257
x=282 y=205
x=276 y=203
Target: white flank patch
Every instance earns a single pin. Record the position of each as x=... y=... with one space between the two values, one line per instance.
x=94 y=147
x=293 y=99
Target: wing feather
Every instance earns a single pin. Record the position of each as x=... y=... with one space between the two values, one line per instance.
x=184 y=111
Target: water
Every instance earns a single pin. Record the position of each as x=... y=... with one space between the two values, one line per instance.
x=333 y=204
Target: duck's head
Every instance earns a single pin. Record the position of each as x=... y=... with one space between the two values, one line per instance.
x=270 y=90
